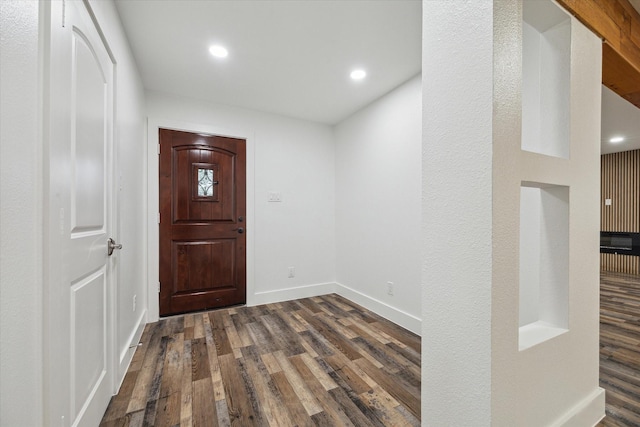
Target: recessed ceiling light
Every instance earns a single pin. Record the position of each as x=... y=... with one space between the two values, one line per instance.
x=616 y=139
x=218 y=51
x=358 y=74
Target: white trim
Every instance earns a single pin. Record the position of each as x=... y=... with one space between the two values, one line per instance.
x=153 y=264
x=288 y=294
x=126 y=354
x=589 y=412
x=397 y=316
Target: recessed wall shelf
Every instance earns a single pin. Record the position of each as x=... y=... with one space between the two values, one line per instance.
x=546 y=66
x=544 y=262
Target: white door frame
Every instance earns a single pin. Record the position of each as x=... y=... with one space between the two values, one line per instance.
x=153 y=205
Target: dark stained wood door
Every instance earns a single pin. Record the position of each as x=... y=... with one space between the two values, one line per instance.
x=202 y=221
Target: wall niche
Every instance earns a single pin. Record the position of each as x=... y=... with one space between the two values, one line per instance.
x=546 y=67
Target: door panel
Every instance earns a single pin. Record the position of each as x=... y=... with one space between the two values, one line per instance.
x=80 y=274
x=202 y=207
x=204 y=185
x=88 y=336
x=203 y=264
x=91 y=73
x=88 y=143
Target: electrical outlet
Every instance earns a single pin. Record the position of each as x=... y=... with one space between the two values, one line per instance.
x=134 y=303
x=292 y=272
x=389 y=288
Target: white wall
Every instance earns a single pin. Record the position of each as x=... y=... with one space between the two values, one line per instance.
x=529 y=255
x=294 y=157
x=20 y=216
x=129 y=141
x=378 y=204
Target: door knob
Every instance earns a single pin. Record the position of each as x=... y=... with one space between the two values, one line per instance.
x=240 y=230
x=112 y=245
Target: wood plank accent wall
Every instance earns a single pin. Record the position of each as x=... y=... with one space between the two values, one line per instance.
x=620 y=175
x=618 y=24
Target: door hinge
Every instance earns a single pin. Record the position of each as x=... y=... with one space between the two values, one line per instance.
x=158 y=149
x=158 y=217
x=64 y=9
x=158 y=287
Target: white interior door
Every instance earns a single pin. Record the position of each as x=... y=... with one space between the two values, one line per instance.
x=80 y=271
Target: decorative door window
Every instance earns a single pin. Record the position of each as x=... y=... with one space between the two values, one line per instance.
x=205 y=181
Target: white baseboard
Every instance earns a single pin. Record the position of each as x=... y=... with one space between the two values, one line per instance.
x=127 y=353
x=397 y=316
x=588 y=412
x=292 y=293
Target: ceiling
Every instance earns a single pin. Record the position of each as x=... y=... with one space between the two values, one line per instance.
x=286 y=57
x=619 y=118
x=294 y=57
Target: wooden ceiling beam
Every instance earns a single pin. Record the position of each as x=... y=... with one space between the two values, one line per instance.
x=618 y=24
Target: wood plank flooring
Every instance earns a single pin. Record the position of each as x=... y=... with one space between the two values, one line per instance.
x=321 y=361
x=620 y=348
x=324 y=361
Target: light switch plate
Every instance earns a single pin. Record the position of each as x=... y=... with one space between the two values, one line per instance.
x=274 y=196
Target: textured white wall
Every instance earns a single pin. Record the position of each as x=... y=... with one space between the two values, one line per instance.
x=292 y=156
x=129 y=141
x=20 y=217
x=378 y=203
x=457 y=104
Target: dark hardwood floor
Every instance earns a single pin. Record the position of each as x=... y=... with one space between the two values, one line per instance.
x=321 y=361
x=620 y=348
x=324 y=361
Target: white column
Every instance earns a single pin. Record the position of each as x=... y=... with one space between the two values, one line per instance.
x=481 y=365
x=457 y=78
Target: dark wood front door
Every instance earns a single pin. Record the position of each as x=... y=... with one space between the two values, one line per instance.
x=202 y=221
